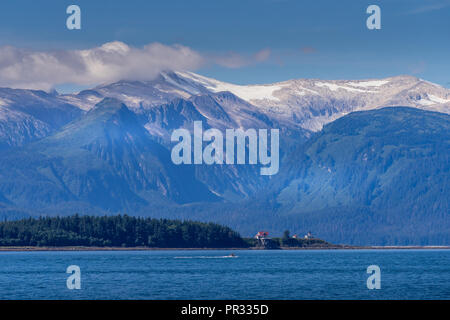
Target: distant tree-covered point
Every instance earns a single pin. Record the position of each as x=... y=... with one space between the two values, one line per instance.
x=117 y=231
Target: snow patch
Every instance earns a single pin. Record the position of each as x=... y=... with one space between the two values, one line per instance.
x=131 y=101
x=437 y=99
x=248 y=93
x=335 y=87
x=424 y=102
x=371 y=83
x=191 y=90
x=181 y=93
x=432 y=100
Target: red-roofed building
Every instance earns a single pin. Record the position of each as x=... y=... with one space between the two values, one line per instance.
x=262 y=235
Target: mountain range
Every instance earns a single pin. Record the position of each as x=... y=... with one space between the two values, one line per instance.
x=361 y=161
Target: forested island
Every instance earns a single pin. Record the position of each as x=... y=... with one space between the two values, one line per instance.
x=130 y=232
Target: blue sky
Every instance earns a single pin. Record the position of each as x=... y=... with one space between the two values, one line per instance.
x=299 y=39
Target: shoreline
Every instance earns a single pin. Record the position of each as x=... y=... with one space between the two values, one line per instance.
x=76 y=248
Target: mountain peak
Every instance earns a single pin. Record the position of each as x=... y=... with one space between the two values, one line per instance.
x=109 y=104
x=305 y=103
x=110 y=108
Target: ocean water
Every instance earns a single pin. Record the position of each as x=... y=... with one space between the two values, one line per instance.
x=315 y=274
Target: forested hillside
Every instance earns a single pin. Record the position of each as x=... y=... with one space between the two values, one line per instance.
x=116 y=231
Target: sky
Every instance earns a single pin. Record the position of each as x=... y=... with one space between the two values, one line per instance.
x=244 y=42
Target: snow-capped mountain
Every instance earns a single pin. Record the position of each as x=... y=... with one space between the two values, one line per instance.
x=139 y=94
x=306 y=103
x=311 y=103
x=26 y=115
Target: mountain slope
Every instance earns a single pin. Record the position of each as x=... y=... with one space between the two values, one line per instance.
x=105 y=160
x=28 y=115
x=18 y=128
x=221 y=111
x=387 y=170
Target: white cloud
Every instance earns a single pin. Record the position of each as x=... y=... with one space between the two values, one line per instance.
x=113 y=61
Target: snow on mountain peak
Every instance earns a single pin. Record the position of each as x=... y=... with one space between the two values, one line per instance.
x=370 y=83
x=335 y=87
x=307 y=103
x=245 y=92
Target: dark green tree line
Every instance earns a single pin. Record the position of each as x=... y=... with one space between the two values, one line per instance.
x=116 y=231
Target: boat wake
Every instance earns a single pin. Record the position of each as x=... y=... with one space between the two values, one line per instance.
x=207 y=257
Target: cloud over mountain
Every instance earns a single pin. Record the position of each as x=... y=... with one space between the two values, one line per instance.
x=110 y=62
x=22 y=68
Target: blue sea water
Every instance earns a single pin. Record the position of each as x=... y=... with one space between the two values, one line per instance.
x=315 y=274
